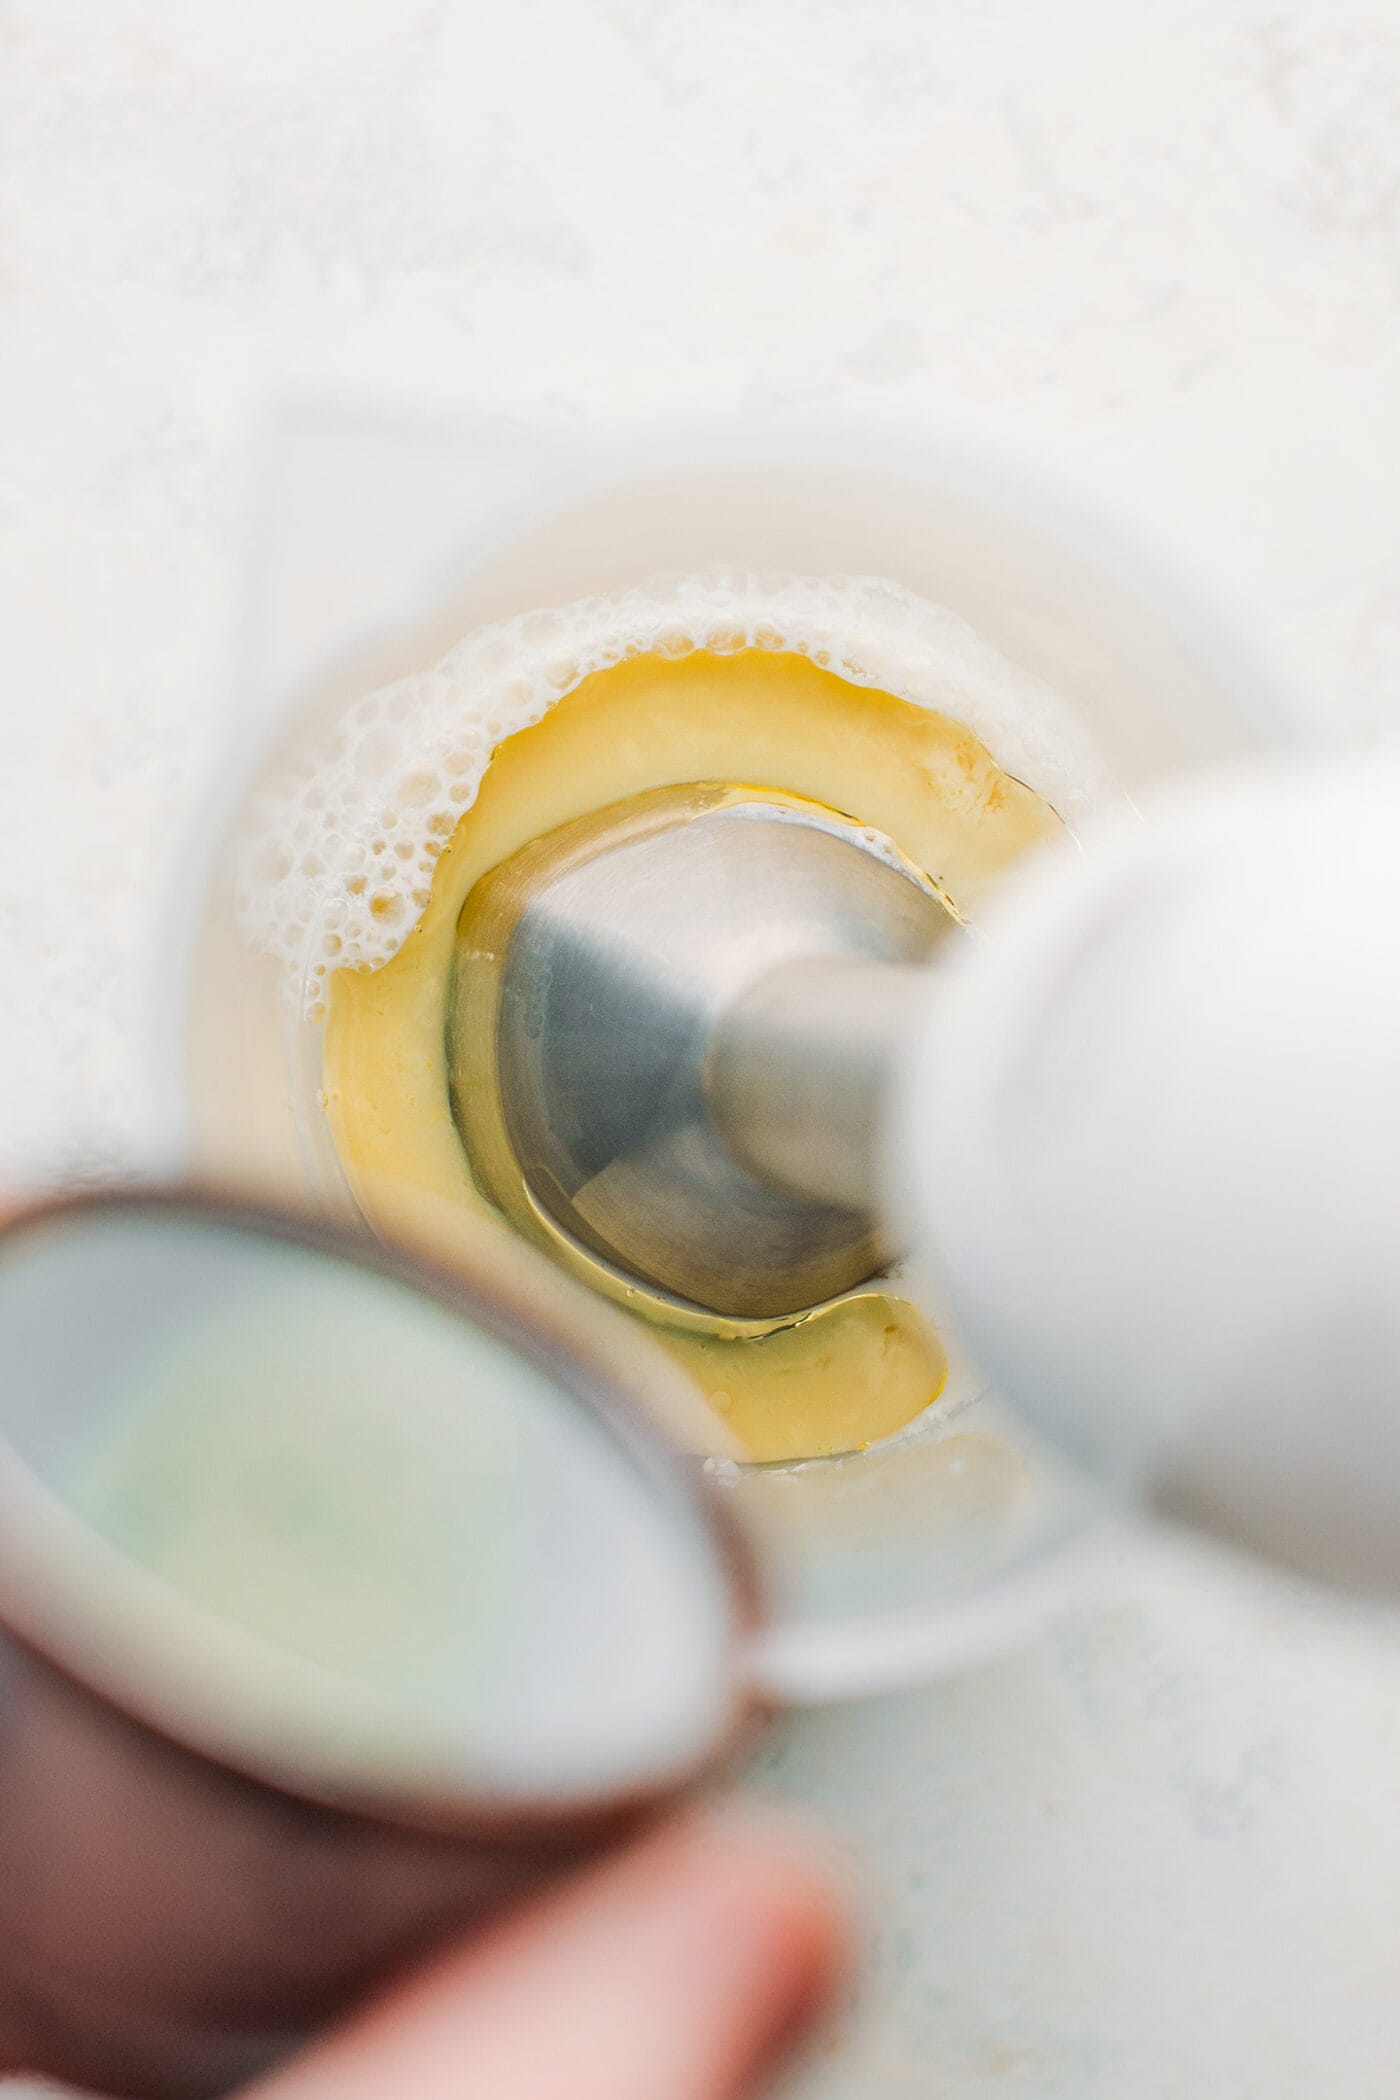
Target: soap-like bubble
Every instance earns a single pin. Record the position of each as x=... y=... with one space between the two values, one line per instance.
x=406 y=762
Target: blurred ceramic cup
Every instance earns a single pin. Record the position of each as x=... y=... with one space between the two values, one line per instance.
x=379 y=548
x=297 y=1676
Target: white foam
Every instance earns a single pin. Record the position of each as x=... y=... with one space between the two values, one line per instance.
x=341 y=850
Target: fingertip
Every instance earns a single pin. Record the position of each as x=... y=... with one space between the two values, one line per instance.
x=689 y=1962
x=786 y=1871
x=780 y=1903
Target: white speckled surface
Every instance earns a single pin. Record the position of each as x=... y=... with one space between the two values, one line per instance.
x=1153 y=253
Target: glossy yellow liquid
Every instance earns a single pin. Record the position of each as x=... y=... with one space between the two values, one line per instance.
x=849 y=1373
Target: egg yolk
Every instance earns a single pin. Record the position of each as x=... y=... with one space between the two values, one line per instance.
x=859 y=1368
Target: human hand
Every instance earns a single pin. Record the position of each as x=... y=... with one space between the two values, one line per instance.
x=677 y=1970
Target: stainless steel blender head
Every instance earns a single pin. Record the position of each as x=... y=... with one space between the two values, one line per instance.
x=670 y=1036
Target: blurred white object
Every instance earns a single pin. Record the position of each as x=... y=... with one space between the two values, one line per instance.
x=1156 y=1120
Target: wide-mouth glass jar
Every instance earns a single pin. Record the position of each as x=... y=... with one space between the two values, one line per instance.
x=384 y=550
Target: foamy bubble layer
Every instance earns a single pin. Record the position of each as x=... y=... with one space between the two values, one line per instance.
x=341 y=851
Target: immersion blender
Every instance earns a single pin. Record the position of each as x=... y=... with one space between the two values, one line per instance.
x=1140 y=1131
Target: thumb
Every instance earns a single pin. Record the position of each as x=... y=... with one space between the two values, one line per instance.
x=675 y=1971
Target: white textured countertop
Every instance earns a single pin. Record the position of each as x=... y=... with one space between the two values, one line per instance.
x=1152 y=254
